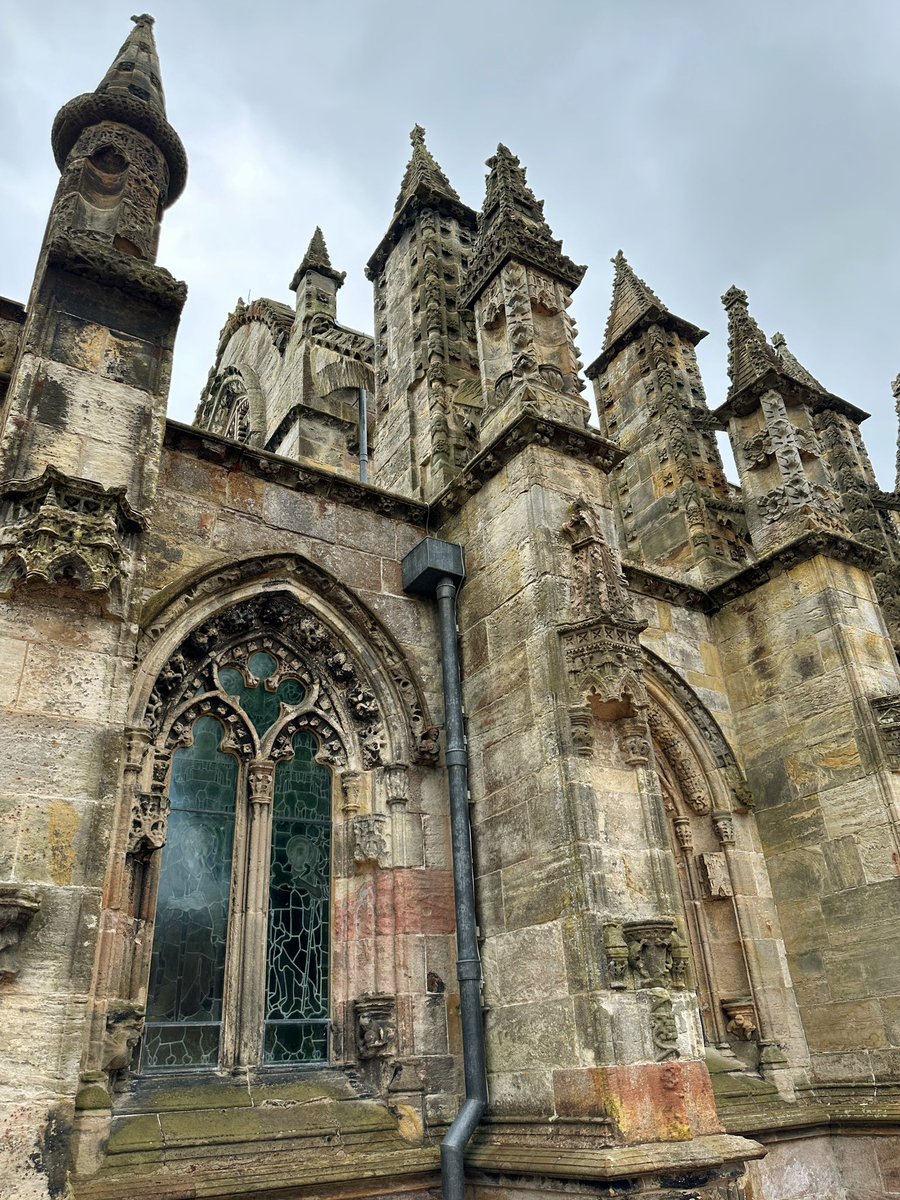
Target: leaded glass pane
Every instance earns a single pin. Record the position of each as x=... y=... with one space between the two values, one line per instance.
x=187 y=973
x=299 y=909
x=261 y=705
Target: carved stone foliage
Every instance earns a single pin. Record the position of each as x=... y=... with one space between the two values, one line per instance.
x=300 y=629
x=338 y=703
x=376 y=1025
x=887 y=719
x=149 y=818
x=56 y=527
x=601 y=648
x=677 y=753
x=18 y=906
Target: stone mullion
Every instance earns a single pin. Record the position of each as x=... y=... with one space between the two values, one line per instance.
x=250 y=935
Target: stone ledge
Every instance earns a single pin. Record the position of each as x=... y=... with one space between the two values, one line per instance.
x=713 y=1150
x=784 y=558
x=299 y=476
x=528 y=429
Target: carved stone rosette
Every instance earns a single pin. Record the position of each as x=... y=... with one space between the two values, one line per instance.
x=57 y=527
x=18 y=906
x=376 y=1025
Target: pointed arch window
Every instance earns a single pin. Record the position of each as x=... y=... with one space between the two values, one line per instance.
x=251 y=727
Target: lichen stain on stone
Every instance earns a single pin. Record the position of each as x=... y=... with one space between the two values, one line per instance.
x=409 y=1124
x=61 y=831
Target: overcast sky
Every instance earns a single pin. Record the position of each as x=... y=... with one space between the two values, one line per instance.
x=715 y=141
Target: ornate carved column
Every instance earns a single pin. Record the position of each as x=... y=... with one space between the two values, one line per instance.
x=261 y=780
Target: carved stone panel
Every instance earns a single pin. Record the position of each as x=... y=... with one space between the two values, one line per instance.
x=714 y=877
x=376 y=1025
x=149 y=819
x=370 y=843
x=17 y=907
x=887 y=718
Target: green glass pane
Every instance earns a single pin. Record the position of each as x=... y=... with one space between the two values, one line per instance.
x=299 y=909
x=261 y=705
x=296 y=1041
x=187 y=971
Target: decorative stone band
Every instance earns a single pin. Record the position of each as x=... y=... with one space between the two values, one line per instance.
x=376 y=1025
x=81 y=254
x=783 y=558
x=18 y=906
x=57 y=526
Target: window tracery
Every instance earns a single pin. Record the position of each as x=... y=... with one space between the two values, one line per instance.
x=251 y=716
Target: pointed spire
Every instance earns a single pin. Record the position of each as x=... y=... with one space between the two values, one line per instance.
x=317 y=259
x=512 y=225
x=631 y=300
x=135 y=69
x=791 y=366
x=750 y=357
x=423 y=173
x=130 y=93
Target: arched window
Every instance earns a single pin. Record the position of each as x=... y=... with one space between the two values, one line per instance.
x=253 y=713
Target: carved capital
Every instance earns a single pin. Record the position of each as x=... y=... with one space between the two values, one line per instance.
x=397 y=781
x=18 y=906
x=262 y=782
x=616 y=949
x=149 y=823
x=723 y=823
x=684 y=833
x=633 y=736
x=581 y=724
x=376 y=1025
x=351 y=791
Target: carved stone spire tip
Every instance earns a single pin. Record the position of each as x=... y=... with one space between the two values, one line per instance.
x=144 y=19
x=733 y=296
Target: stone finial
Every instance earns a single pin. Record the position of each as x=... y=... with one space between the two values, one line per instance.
x=130 y=93
x=750 y=357
x=632 y=299
x=423 y=173
x=792 y=367
x=317 y=259
x=512 y=226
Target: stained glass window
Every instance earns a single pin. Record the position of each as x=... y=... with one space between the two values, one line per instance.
x=261 y=704
x=296 y=1028
x=187 y=974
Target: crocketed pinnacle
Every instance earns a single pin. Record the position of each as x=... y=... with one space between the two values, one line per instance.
x=423 y=173
x=750 y=357
x=130 y=93
x=791 y=366
x=317 y=259
x=632 y=299
x=512 y=226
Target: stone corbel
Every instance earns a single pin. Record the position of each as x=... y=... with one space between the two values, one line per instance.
x=397 y=781
x=149 y=823
x=376 y=1025
x=741 y=1014
x=650 y=950
x=723 y=823
x=124 y=1026
x=18 y=906
x=633 y=736
x=616 y=949
x=351 y=793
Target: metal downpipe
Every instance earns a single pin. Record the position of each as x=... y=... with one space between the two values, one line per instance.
x=468 y=959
